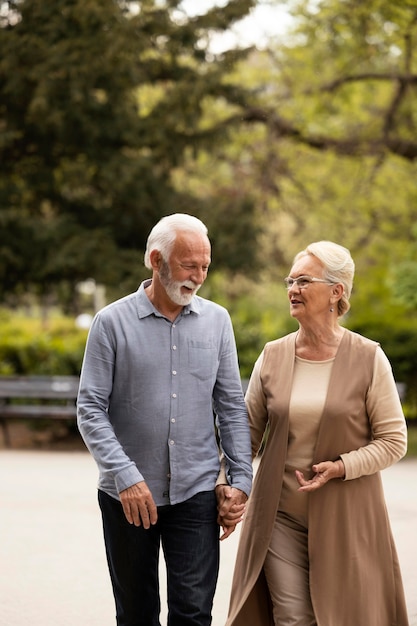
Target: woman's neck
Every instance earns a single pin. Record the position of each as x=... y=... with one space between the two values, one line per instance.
x=318 y=344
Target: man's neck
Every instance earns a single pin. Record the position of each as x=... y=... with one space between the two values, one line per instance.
x=162 y=303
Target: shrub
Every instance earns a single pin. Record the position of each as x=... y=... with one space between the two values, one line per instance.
x=28 y=346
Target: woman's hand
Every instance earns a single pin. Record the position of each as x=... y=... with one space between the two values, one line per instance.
x=323 y=472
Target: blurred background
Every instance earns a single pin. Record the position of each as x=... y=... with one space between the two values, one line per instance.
x=278 y=123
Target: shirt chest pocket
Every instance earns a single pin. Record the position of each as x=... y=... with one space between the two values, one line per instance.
x=202 y=359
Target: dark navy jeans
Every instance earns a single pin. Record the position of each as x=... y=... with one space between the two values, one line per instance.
x=189 y=535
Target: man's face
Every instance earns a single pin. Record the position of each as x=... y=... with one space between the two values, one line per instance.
x=186 y=270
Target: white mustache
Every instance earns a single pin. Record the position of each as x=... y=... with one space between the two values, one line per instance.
x=191 y=285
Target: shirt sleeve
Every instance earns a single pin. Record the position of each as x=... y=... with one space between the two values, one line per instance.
x=232 y=417
x=386 y=417
x=95 y=389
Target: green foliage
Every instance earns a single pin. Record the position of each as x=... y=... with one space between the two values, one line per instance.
x=259 y=313
x=323 y=157
x=404 y=284
x=396 y=331
x=412 y=441
x=99 y=102
x=110 y=119
x=27 y=346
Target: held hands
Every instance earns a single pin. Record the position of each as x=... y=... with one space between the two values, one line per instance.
x=138 y=505
x=231 y=504
x=323 y=473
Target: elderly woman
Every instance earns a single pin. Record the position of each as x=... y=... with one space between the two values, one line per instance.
x=316 y=548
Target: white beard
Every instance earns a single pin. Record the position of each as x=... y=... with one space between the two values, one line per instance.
x=173 y=287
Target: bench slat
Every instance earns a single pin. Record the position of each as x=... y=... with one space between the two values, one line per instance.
x=41 y=387
x=29 y=411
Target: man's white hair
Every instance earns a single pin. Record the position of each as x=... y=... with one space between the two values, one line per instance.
x=163 y=234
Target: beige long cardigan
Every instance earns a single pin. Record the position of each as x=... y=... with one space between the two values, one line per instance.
x=355 y=578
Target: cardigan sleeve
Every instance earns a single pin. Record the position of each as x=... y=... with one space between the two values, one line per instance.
x=256 y=405
x=388 y=426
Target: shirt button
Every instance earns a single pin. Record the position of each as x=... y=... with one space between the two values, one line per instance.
x=174 y=372
x=173 y=420
x=174 y=395
x=171 y=442
x=174 y=347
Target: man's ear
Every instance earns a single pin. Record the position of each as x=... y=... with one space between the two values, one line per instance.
x=155 y=258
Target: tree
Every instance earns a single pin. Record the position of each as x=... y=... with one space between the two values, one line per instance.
x=320 y=156
x=98 y=104
x=341 y=56
x=332 y=151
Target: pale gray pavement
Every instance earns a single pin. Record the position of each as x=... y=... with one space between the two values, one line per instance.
x=52 y=564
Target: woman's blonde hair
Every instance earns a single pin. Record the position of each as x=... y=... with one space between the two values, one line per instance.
x=338 y=267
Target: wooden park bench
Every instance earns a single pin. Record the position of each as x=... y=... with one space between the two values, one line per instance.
x=37 y=397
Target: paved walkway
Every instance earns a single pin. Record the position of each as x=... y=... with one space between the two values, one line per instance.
x=53 y=570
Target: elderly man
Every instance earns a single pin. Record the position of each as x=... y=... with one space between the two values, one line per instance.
x=159 y=363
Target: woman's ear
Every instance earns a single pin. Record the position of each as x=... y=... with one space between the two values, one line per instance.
x=337 y=293
x=338 y=290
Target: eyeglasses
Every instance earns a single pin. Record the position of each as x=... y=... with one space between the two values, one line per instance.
x=304 y=281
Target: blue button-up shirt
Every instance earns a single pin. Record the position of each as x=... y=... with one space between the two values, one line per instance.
x=148 y=389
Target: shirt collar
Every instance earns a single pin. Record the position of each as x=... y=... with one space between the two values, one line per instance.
x=146 y=308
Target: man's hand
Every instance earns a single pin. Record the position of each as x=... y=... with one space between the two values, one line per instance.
x=323 y=472
x=231 y=504
x=138 y=505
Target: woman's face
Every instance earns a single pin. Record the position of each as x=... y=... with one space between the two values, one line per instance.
x=314 y=299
